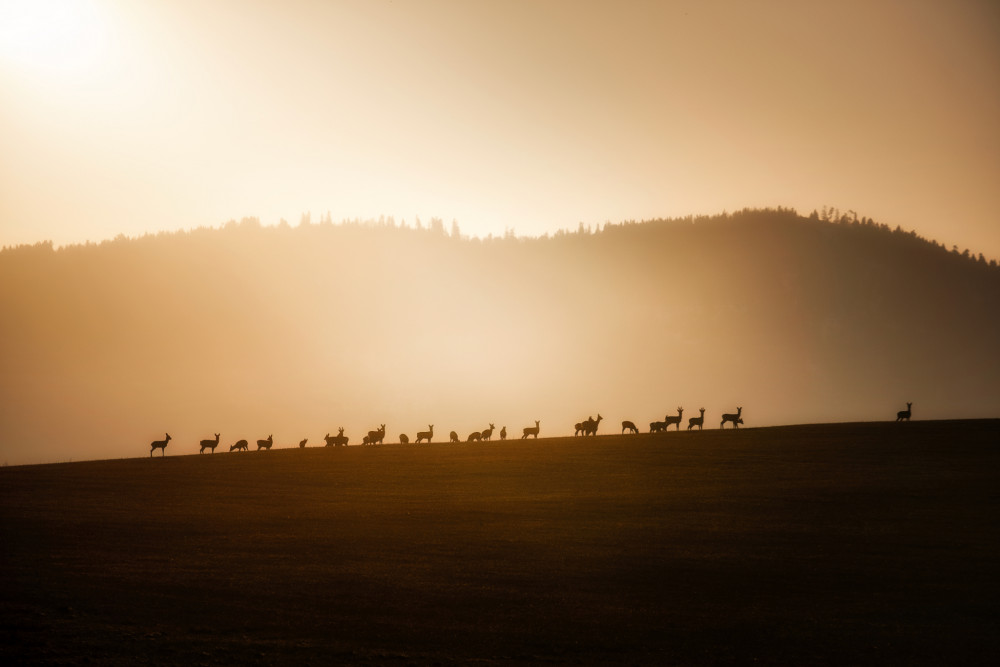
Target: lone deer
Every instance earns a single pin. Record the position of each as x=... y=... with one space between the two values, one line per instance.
x=668 y=420
x=503 y=433
x=475 y=436
x=241 y=445
x=729 y=417
x=404 y=439
x=488 y=432
x=303 y=442
x=427 y=435
x=209 y=444
x=697 y=421
x=454 y=437
x=533 y=431
x=265 y=444
x=159 y=444
x=629 y=426
x=904 y=415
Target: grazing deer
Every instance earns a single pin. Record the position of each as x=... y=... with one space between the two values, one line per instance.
x=475 y=436
x=657 y=427
x=159 y=444
x=241 y=445
x=503 y=433
x=697 y=421
x=404 y=439
x=337 y=440
x=668 y=420
x=629 y=426
x=209 y=444
x=454 y=437
x=427 y=435
x=366 y=440
x=533 y=431
x=303 y=442
x=265 y=444
x=488 y=432
x=904 y=415
x=729 y=417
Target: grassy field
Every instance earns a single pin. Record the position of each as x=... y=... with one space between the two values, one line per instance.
x=838 y=544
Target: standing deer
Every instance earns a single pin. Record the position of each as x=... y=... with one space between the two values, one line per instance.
x=376 y=437
x=668 y=420
x=729 y=417
x=697 y=421
x=533 y=431
x=904 y=415
x=503 y=433
x=488 y=432
x=159 y=444
x=629 y=426
x=581 y=427
x=241 y=445
x=427 y=435
x=209 y=444
x=265 y=444
x=404 y=439
x=657 y=427
x=589 y=427
x=337 y=440
x=454 y=437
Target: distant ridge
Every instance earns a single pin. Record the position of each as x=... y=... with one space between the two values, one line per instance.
x=250 y=330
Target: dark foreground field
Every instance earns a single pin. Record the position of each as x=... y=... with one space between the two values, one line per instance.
x=839 y=544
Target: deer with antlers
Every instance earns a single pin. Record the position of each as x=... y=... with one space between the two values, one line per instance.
x=668 y=420
x=697 y=421
x=734 y=418
x=159 y=444
x=336 y=440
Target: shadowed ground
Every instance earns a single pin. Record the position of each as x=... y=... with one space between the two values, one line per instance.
x=825 y=544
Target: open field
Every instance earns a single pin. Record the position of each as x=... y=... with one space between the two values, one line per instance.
x=872 y=543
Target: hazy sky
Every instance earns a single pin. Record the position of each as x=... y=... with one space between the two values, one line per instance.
x=127 y=117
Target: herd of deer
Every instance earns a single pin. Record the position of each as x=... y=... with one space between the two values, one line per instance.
x=584 y=428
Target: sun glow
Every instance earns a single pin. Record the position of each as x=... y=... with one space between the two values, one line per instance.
x=51 y=36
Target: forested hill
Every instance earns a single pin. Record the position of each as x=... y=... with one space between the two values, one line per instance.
x=251 y=330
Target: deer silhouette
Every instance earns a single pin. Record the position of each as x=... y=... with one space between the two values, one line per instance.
x=404 y=439
x=475 y=436
x=302 y=443
x=904 y=415
x=454 y=437
x=488 y=432
x=697 y=421
x=592 y=424
x=735 y=418
x=209 y=444
x=159 y=444
x=580 y=428
x=241 y=445
x=532 y=430
x=629 y=426
x=657 y=427
x=336 y=440
x=668 y=420
x=503 y=433
x=427 y=435
x=376 y=437
x=265 y=444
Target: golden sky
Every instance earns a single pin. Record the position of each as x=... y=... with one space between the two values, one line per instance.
x=128 y=117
